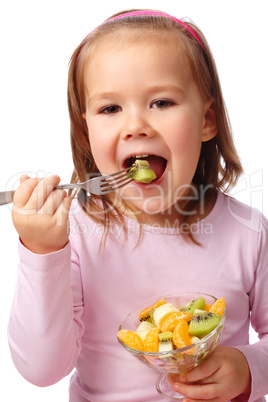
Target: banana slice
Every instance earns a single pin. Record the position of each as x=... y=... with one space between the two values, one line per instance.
x=162 y=312
x=144 y=326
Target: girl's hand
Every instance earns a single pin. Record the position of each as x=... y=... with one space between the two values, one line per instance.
x=225 y=375
x=40 y=214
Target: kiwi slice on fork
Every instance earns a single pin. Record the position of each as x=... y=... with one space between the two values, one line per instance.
x=141 y=171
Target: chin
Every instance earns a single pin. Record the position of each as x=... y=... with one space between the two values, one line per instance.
x=154 y=202
x=152 y=207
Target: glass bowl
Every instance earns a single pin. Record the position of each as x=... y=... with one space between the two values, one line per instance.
x=177 y=360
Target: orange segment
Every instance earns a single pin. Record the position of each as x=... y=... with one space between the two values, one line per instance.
x=208 y=307
x=218 y=307
x=131 y=339
x=151 y=341
x=145 y=313
x=181 y=336
x=171 y=321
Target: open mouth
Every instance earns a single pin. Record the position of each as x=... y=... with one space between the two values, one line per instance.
x=157 y=163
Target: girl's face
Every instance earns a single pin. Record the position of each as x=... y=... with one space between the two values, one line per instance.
x=141 y=99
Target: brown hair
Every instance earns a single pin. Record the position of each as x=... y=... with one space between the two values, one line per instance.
x=219 y=166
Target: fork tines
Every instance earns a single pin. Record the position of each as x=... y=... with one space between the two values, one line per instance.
x=115 y=181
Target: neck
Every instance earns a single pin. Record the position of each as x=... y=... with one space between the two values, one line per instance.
x=173 y=216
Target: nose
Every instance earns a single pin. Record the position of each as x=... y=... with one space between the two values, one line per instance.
x=136 y=125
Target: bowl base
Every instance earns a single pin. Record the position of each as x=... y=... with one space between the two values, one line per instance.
x=165 y=389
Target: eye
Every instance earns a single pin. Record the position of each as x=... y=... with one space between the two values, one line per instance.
x=111 y=109
x=161 y=104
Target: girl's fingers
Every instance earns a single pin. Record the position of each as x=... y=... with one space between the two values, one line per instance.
x=52 y=202
x=24 y=191
x=203 y=371
x=24 y=177
x=62 y=213
x=197 y=392
x=67 y=202
x=41 y=192
x=58 y=205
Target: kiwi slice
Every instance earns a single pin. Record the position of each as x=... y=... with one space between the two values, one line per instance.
x=165 y=342
x=142 y=171
x=202 y=323
x=165 y=336
x=199 y=304
x=165 y=347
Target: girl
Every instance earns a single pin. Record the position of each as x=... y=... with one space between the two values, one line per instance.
x=143 y=84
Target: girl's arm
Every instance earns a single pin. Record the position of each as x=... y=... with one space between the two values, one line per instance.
x=257 y=354
x=45 y=326
x=241 y=372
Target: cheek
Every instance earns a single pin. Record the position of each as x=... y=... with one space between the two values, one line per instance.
x=185 y=137
x=102 y=148
x=188 y=145
x=185 y=140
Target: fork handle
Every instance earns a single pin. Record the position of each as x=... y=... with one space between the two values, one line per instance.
x=67 y=186
x=6 y=197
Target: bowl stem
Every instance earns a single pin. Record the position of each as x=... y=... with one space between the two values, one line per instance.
x=165 y=388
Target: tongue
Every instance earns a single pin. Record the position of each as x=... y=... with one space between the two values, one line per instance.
x=158 y=164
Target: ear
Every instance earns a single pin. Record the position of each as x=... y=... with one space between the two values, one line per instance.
x=210 y=127
x=84 y=115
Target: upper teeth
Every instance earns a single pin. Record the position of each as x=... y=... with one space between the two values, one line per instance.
x=140 y=156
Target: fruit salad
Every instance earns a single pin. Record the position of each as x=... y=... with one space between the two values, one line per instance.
x=164 y=326
x=141 y=171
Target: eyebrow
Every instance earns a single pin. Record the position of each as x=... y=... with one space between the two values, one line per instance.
x=151 y=90
x=162 y=88
x=102 y=96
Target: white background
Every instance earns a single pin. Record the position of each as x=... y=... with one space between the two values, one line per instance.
x=36 y=41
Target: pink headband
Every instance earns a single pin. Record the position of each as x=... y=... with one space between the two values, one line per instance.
x=157 y=13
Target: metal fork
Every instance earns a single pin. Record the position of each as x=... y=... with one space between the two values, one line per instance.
x=98 y=185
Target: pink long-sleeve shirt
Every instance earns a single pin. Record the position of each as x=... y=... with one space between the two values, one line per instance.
x=68 y=304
